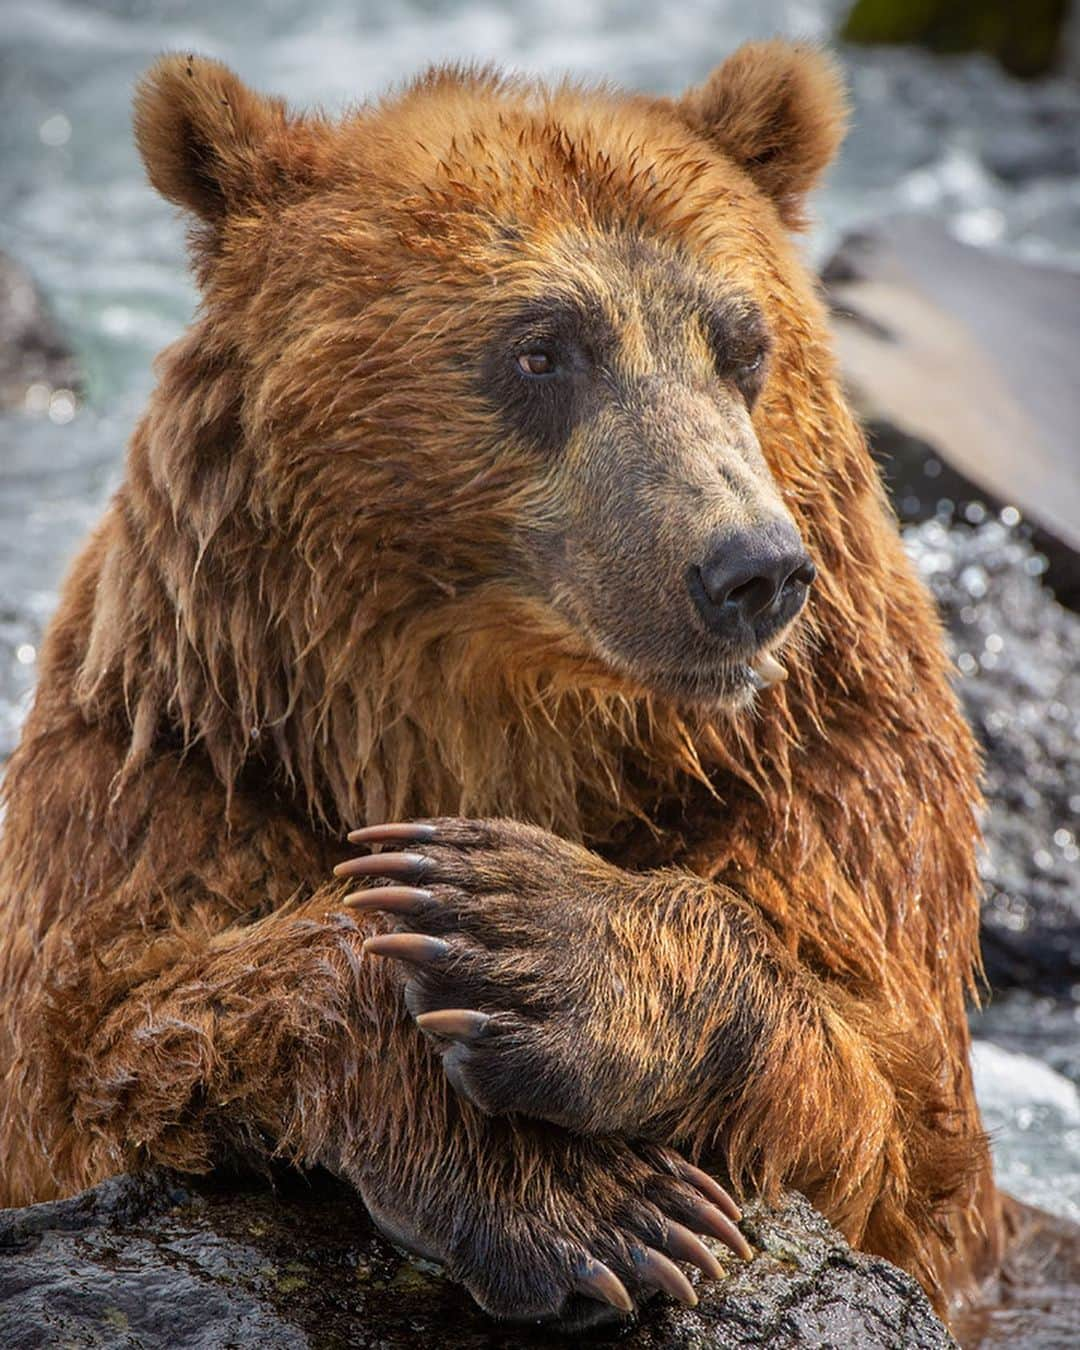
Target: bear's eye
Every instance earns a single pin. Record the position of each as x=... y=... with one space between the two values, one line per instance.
x=748 y=373
x=536 y=362
x=738 y=340
x=746 y=369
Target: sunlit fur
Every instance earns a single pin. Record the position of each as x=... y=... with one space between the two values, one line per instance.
x=312 y=603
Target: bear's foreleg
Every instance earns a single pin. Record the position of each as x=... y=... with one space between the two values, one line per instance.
x=279 y=1041
x=196 y=1040
x=653 y=1005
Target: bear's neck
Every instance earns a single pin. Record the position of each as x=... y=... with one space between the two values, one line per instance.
x=368 y=722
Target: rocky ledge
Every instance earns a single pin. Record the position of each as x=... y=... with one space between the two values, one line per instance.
x=161 y=1262
x=962 y=363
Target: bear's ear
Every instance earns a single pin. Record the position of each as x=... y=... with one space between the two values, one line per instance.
x=208 y=142
x=779 y=110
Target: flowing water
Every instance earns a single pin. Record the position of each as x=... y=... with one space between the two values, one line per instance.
x=958 y=139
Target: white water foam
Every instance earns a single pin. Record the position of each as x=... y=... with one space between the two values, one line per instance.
x=1033 y=1115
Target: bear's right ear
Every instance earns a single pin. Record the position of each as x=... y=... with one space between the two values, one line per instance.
x=779 y=110
x=210 y=144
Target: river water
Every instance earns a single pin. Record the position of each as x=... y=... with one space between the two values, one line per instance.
x=957 y=139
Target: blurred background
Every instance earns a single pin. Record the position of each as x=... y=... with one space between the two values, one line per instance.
x=949 y=240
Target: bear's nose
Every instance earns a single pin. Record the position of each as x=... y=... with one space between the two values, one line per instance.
x=750 y=574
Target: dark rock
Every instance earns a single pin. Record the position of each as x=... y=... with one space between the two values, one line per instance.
x=32 y=350
x=924 y=486
x=165 y=1263
x=965 y=361
x=1018 y=655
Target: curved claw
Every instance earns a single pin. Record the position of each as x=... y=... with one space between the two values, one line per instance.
x=708 y=1219
x=402 y=833
x=600 y=1282
x=393 y=899
x=655 y=1268
x=456 y=1024
x=416 y=948
x=712 y=1190
x=409 y=866
x=682 y=1245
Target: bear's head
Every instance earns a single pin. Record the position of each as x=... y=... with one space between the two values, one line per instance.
x=507 y=440
x=517 y=362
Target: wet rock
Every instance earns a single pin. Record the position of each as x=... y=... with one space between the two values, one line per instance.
x=1018 y=659
x=36 y=363
x=963 y=363
x=925 y=486
x=165 y=1263
x=1036 y=1304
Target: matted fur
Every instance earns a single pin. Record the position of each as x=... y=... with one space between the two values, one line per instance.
x=295 y=617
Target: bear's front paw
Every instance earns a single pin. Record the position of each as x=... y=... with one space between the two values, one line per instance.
x=514 y=968
x=587 y=1230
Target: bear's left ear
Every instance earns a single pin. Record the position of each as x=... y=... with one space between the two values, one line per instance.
x=779 y=110
x=212 y=145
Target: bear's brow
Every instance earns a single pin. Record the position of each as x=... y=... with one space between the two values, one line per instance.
x=674 y=286
x=735 y=325
x=560 y=316
x=665 y=303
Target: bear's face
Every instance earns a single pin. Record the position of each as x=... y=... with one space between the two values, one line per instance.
x=625 y=374
x=502 y=348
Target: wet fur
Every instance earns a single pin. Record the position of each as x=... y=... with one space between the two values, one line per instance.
x=297 y=615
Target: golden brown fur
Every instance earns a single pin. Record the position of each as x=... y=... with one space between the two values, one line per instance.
x=314 y=603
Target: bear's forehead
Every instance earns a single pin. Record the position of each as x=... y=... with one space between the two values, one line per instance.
x=600 y=199
x=472 y=190
x=528 y=154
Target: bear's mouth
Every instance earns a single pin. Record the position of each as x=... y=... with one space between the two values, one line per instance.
x=736 y=685
x=725 y=680
x=728 y=685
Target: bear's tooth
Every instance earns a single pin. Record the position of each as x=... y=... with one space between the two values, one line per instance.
x=769 y=671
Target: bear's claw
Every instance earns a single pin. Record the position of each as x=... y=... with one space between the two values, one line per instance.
x=392 y=899
x=456 y=1024
x=402 y=832
x=710 y=1188
x=660 y=1272
x=685 y=1246
x=412 y=866
x=599 y=1282
x=710 y=1220
x=416 y=948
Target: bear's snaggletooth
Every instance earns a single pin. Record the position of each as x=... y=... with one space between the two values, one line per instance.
x=769 y=671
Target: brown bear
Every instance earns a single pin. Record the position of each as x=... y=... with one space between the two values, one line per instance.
x=500 y=480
